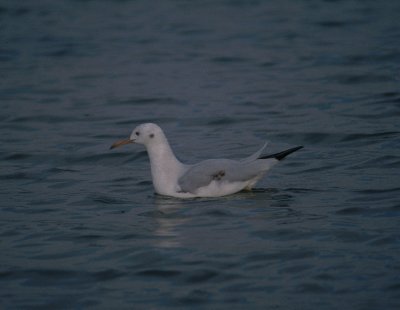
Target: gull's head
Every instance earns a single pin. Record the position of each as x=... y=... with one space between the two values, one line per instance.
x=146 y=134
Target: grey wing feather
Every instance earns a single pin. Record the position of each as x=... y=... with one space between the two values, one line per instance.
x=205 y=172
x=256 y=154
x=199 y=175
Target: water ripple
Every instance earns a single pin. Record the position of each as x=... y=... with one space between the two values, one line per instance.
x=80 y=224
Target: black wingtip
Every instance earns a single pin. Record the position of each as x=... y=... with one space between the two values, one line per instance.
x=282 y=155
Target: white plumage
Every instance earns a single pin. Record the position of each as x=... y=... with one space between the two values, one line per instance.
x=209 y=178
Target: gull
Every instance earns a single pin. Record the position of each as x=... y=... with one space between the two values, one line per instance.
x=208 y=178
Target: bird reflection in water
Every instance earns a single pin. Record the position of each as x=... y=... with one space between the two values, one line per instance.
x=169 y=218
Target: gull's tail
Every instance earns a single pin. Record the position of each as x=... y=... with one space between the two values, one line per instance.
x=281 y=155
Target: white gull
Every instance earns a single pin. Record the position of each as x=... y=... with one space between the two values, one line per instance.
x=209 y=178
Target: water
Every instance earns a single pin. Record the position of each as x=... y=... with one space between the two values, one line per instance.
x=80 y=226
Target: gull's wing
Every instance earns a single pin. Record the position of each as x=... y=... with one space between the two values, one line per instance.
x=256 y=155
x=222 y=170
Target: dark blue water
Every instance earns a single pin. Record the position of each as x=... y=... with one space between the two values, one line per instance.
x=80 y=226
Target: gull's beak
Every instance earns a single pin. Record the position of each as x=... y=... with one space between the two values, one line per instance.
x=121 y=142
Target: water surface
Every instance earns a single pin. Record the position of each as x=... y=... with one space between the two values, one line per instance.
x=80 y=225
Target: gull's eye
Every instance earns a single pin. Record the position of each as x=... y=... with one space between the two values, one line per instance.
x=151 y=135
x=137 y=133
